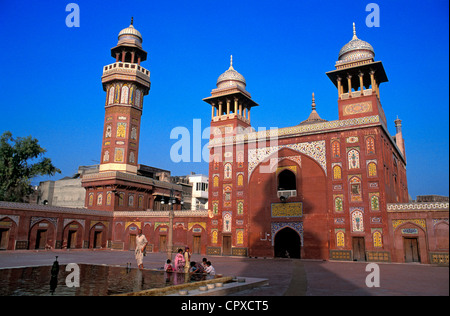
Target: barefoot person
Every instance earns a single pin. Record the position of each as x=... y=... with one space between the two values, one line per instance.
x=141 y=243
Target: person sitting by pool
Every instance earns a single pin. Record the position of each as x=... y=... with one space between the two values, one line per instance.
x=210 y=269
x=196 y=271
x=168 y=266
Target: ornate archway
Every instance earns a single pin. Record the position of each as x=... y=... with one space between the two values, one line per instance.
x=287 y=244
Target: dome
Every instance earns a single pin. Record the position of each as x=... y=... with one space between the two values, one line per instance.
x=130 y=34
x=231 y=78
x=356 y=49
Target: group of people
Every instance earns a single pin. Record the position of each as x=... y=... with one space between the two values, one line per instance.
x=182 y=261
x=183 y=264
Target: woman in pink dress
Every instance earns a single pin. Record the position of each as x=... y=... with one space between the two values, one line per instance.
x=179 y=261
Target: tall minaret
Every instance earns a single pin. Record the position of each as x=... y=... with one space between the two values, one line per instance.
x=126 y=83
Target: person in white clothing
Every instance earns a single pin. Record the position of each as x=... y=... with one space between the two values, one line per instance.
x=210 y=269
x=141 y=243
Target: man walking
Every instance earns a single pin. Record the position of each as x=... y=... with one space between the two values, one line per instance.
x=141 y=243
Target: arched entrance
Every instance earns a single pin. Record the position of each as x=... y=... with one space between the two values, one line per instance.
x=287 y=244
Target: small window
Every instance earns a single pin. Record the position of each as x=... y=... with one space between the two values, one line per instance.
x=286 y=181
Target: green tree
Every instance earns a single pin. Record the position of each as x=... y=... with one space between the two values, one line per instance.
x=21 y=159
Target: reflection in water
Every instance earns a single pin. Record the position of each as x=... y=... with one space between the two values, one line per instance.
x=95 y=280
x=54 y=276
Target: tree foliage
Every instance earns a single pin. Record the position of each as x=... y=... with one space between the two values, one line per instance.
x=21 y=160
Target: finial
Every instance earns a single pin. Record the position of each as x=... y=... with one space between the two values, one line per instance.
x=131 y=20
x=231 y=62
x=354 y=31
x=313 y=102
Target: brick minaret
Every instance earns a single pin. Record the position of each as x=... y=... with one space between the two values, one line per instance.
x=126 y=83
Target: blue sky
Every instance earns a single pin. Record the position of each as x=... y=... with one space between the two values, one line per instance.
x=51 y=74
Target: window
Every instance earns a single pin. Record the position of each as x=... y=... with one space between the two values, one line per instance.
x=375 y=202
x=372 y=169
x=100 y=199
x=337 y=173
x=131 y=200
x=240 y=207
x=286 y=181
x=370 y=145
x=228 y=171
x=355 y=189
x=340 y=239
x=338 y=204
x=240 y=179
x=377 y=239
x=108 y=198
x=335 y=149
x=111 y=95
x=357 y=221
x=353 y=159
x=124 y=95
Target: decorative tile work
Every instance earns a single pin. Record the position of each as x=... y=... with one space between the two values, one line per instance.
x=213 y=251
x=338 y=202
x=202 y=224
x=294 y=209
x=35 y=219
x=296 y=130
x=316 y=150
x=374 y=199
x=214 y=236
x=410 y=231
x=375 y=220
x=340 y=237
x=435 y=220
x=339 y=220
x=421 y=222
x=439 y=258
x=14 y=218
x=226 y=222
x=357 y=219
x=352 y=139
x=239 y=236
x=418 y=206
x=357 y=108
x=341 y=255
x=377 y=237
x=235 y=251
x=82 y=222
x=378 y=256
x=353 y=158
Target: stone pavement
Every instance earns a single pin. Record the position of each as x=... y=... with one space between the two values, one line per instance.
x=289 y=277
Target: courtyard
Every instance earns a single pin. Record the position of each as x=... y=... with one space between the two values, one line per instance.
x=286 y=277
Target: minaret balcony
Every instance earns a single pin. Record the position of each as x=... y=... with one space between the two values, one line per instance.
x=133 y=70
x=355 y=94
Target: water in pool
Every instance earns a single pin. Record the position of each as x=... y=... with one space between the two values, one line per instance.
x=95 y=280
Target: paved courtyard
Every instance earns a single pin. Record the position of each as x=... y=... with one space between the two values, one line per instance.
x=286 y=276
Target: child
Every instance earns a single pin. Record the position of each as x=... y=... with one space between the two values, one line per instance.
x=210 y=269
x=168 y=266
x=179 y=261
